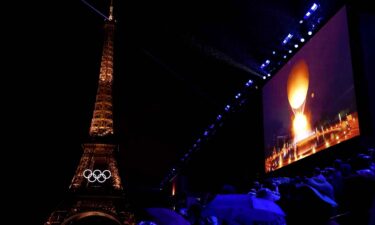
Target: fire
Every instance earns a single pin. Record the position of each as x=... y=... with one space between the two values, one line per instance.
x=297 y=87
x=299 y=123
x=301 y=128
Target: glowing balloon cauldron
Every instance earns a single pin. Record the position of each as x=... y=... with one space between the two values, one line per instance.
x=297 y=87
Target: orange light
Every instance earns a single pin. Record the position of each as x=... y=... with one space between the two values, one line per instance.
x=299 y=123
x=297 y=85
x=301 y=127
x=173 y=188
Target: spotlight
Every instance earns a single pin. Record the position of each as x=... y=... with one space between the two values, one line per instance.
x=287 y=38
x=269 y=75
x=296 y=45
x=273 y=53
x=284 y=56
x=290 y=51
x=301 y=21
x=302 y=40
x=265 y=64
x=314 y=7
x=307 y=15
x=264 y=77
x=309 y=32
x=248 y=83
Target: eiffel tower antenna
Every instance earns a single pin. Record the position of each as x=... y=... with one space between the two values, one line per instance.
x=110 y=18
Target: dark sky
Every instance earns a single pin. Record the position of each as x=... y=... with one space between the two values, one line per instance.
x=165 y=95
x=177 y=64
x=165 y=92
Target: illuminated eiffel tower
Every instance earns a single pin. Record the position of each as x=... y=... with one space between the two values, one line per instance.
x=96 y=193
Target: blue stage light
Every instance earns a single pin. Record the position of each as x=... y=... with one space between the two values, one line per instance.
x=314 y=7
x=287 y=38
x=248 y=83
x=307 y=15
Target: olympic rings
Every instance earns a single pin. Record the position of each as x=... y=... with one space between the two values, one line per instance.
x=96 y=175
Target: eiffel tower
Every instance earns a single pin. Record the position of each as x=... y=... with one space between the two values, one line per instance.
x=96 y=193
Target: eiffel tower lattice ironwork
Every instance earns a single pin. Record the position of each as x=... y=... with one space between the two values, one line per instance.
x=96 y=191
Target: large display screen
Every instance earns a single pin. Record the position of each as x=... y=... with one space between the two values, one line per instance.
x=309 y=105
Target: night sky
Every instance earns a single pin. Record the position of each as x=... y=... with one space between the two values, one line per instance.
x=168 y=88
x=164 y=98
